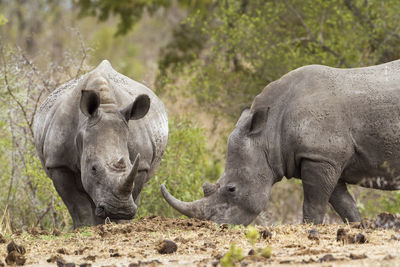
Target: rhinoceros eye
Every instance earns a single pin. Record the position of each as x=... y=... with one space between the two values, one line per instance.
x=231 y=188
x=94 y=169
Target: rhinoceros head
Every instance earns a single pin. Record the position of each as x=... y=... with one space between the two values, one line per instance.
x=242 y=191
x=107 y=173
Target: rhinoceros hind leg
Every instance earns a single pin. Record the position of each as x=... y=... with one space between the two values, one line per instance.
x=319 y=180
x=344 y=204
x=78 y=202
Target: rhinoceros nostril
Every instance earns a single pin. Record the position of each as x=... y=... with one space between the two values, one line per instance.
x=120 y=164
x=100 y=211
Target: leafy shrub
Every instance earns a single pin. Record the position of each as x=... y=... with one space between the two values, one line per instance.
x=27 y=197
x=184 y=168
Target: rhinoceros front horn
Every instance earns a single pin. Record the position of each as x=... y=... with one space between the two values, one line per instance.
x=126 y=185
x=193 y=209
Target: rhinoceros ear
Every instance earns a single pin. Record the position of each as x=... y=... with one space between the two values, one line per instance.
x=137 y=109
x=90 y=102
x=243 y=116
x=257 y=121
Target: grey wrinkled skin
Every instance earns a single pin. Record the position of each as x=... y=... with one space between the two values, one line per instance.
x=329 y=127
x=100 y=138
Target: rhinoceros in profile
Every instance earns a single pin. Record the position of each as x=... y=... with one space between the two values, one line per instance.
x=100 y=138
x=329 y=127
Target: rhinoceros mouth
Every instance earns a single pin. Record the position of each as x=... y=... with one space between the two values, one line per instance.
x=117 y=216
x=122 y=213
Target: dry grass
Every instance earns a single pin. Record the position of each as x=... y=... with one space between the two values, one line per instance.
x=5 y=223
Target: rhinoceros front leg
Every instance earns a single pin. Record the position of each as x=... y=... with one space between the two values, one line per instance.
x=344 y=204
x=78 y=202
x=319 y=180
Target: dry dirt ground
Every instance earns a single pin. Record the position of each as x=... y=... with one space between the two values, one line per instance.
x=202 y=243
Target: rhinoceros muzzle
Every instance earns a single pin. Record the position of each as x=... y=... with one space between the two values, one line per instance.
x=120 y=203
x=126 y=213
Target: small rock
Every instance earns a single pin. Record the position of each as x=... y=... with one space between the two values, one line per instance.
x=12 y=246
x=2 y=239
x=313 y=234
x=55 y=258
x=116 y=254
x=90 y=258
x=62 y=263
x=62 y=251
x=166 y=247
x=389 y=257
x=265 y=234
x=360 y=239
x=34 y=231
x=144 y=263
x=327 y=257
x=251 y=252
x=395 y=237
x=15 y=258
x=80 y=251
x=357 y=257
x=341 y=234
x=56 y=232
x=85 y=264
x=224 y=226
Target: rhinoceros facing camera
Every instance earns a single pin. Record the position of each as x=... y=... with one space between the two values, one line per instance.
x=100 y=138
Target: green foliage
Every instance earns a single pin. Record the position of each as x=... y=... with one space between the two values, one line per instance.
x=119 y=50
x=129 y=12
x=266 y=252
x=42 y=186
x=27 y=193
x=252 y=234
x=3 y=20
x=185 y=166
x=234 y=255
x=247 y=44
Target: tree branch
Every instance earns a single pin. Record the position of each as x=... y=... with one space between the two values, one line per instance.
x=312 y=38
x=12 y=94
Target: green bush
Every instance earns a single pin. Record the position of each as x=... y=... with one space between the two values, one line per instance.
x=27 y=195
x=184 y=168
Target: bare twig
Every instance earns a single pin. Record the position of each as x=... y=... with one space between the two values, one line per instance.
x=12 y=94
x=12 y=162
x=83 y=49
x=44 y=214
x=36 y=105
x=35 y=70
x=314 y=39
